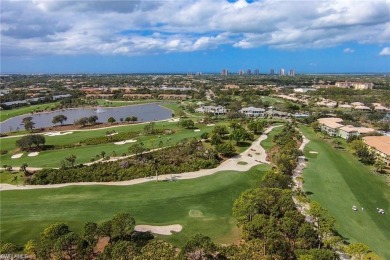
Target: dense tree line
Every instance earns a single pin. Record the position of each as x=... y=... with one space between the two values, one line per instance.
x=267 y=214
x=187 y=156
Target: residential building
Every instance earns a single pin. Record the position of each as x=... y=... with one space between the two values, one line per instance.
x=380 y=145
x=292 y=73
x=216 y=110
x=225 y=72
x=333 y=127
x=137 y=96
x=355 y=85
x=330 y=125
x=276 y=113
x=232 y=86
x=253 y=112
x=272 y=72
x=249 y=72
x=256 y=72
x=173 y=96
x=281 y=73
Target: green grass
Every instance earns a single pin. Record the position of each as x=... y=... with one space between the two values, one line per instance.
x=120 y=103
x=7 y=114
x=202 y=205
x=52 y=158
x=268 y=143
x=337 y=180
x=8 y=177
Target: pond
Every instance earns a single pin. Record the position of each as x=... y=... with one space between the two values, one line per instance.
x=144 y=113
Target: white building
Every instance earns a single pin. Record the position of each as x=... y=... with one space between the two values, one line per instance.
x=253 y=111
x=216 y=110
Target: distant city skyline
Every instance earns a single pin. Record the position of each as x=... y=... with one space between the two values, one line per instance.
x=140 y=36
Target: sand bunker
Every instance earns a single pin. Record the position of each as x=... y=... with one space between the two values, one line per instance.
x=210 y=125
x=33 y=154
x=112 y=134
x=58 y=133
x=161 y=230
x=197 y=130
x=15 y=156
x=174 y=120
x=125 y=142
x=313 y=152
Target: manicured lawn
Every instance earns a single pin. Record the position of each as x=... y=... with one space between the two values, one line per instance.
x=6 y=114
x=8 y=177
x=268 y=143
x=202 y=205
x=338 y=181
x=119 y=103
x=52 y=158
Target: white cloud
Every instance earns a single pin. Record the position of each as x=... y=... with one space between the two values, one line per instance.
x=348 y=50
x=140 y=26
x=385 y=51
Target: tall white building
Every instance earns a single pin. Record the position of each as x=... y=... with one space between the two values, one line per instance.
x=281 y=73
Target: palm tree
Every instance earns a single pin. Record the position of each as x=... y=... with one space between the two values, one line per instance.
x=71 y=158
x=24 y=168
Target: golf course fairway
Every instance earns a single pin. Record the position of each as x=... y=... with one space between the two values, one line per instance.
x=338 y=181
x=202 y=205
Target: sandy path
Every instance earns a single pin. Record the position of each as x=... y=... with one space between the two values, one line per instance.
x=257 y=152
x=161 y=230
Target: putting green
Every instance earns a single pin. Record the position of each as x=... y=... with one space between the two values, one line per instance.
x=338 y=181
x=202 y=205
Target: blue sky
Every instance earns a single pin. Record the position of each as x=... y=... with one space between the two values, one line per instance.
x=91 y=36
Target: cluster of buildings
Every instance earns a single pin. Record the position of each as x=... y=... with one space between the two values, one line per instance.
x=247 y=111
x=355 y=85
x=380 y=145
x=333 y=126
x=272 y=72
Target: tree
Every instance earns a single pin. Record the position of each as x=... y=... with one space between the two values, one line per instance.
x=188 y=124
x=322 y=220
x=158 y=250
x=55 y=231
x=221 y=130
x=122 y=225
x=128 y=119
x=23 y=168
x=111 y=120
x=103 y=154
x=82 y=121
x=90 y=233
x=357 y=250
x=379 y=165
x=68 y=245
x=198 y=247
x=28 y=141
x=226 y=149
x=205 y=135
x=8 y=248
x=240 y=134
x=28 y=123
x=105 y=229
x=123 y=250
x=71 y=159
x=92 y=119
x=256 y=126
x=59 y=119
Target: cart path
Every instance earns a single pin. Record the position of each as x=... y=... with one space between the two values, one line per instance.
x=253 y=156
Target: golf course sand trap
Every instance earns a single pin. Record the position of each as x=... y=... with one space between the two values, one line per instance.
x=16 y=156
x=125 y=142
x=197 y=130
x=161 y=230
x=112 y=134
x=313 y=152
x=174 y=120
x=58 y=133
x=210 y=125
x=33 y=154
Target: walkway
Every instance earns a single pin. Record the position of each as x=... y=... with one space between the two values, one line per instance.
x=253 y=156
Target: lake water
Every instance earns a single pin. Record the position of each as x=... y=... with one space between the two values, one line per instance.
x=144 y=113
